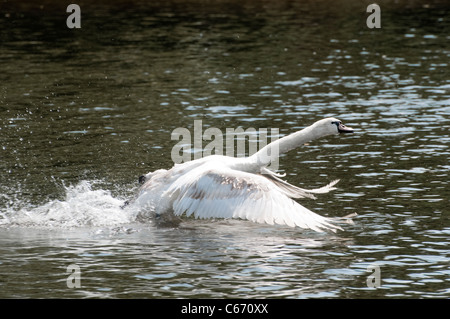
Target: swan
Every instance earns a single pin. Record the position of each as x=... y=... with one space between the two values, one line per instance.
x=219 y=186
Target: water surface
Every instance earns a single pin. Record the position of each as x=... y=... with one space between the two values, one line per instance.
x=84 y=112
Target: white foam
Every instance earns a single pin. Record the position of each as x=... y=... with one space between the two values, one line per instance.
x=82 y=206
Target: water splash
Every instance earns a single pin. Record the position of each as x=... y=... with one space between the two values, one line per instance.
x=82 y=206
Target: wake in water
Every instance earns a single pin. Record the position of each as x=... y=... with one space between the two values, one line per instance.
x=82 y=206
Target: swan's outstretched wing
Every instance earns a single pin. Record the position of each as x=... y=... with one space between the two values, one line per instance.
x=208 y=192
x=294 y=191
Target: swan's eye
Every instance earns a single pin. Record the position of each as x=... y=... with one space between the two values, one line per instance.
x=337 y=123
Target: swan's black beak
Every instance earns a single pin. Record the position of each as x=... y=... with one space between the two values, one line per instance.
x=142 y=179
x=344 y=129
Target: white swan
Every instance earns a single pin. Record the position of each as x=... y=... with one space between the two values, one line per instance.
x=227 y=187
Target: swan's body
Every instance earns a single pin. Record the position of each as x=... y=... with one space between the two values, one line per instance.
x=226 y=187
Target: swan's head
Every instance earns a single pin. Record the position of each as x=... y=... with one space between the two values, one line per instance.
x=331 y=126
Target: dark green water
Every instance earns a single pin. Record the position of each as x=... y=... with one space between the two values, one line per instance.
x=84 y=112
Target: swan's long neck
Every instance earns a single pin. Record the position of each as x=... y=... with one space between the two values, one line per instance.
x=271 y=151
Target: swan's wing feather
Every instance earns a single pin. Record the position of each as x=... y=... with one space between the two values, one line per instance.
x=208 y=192
x=294 y=191
x=324 y=189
